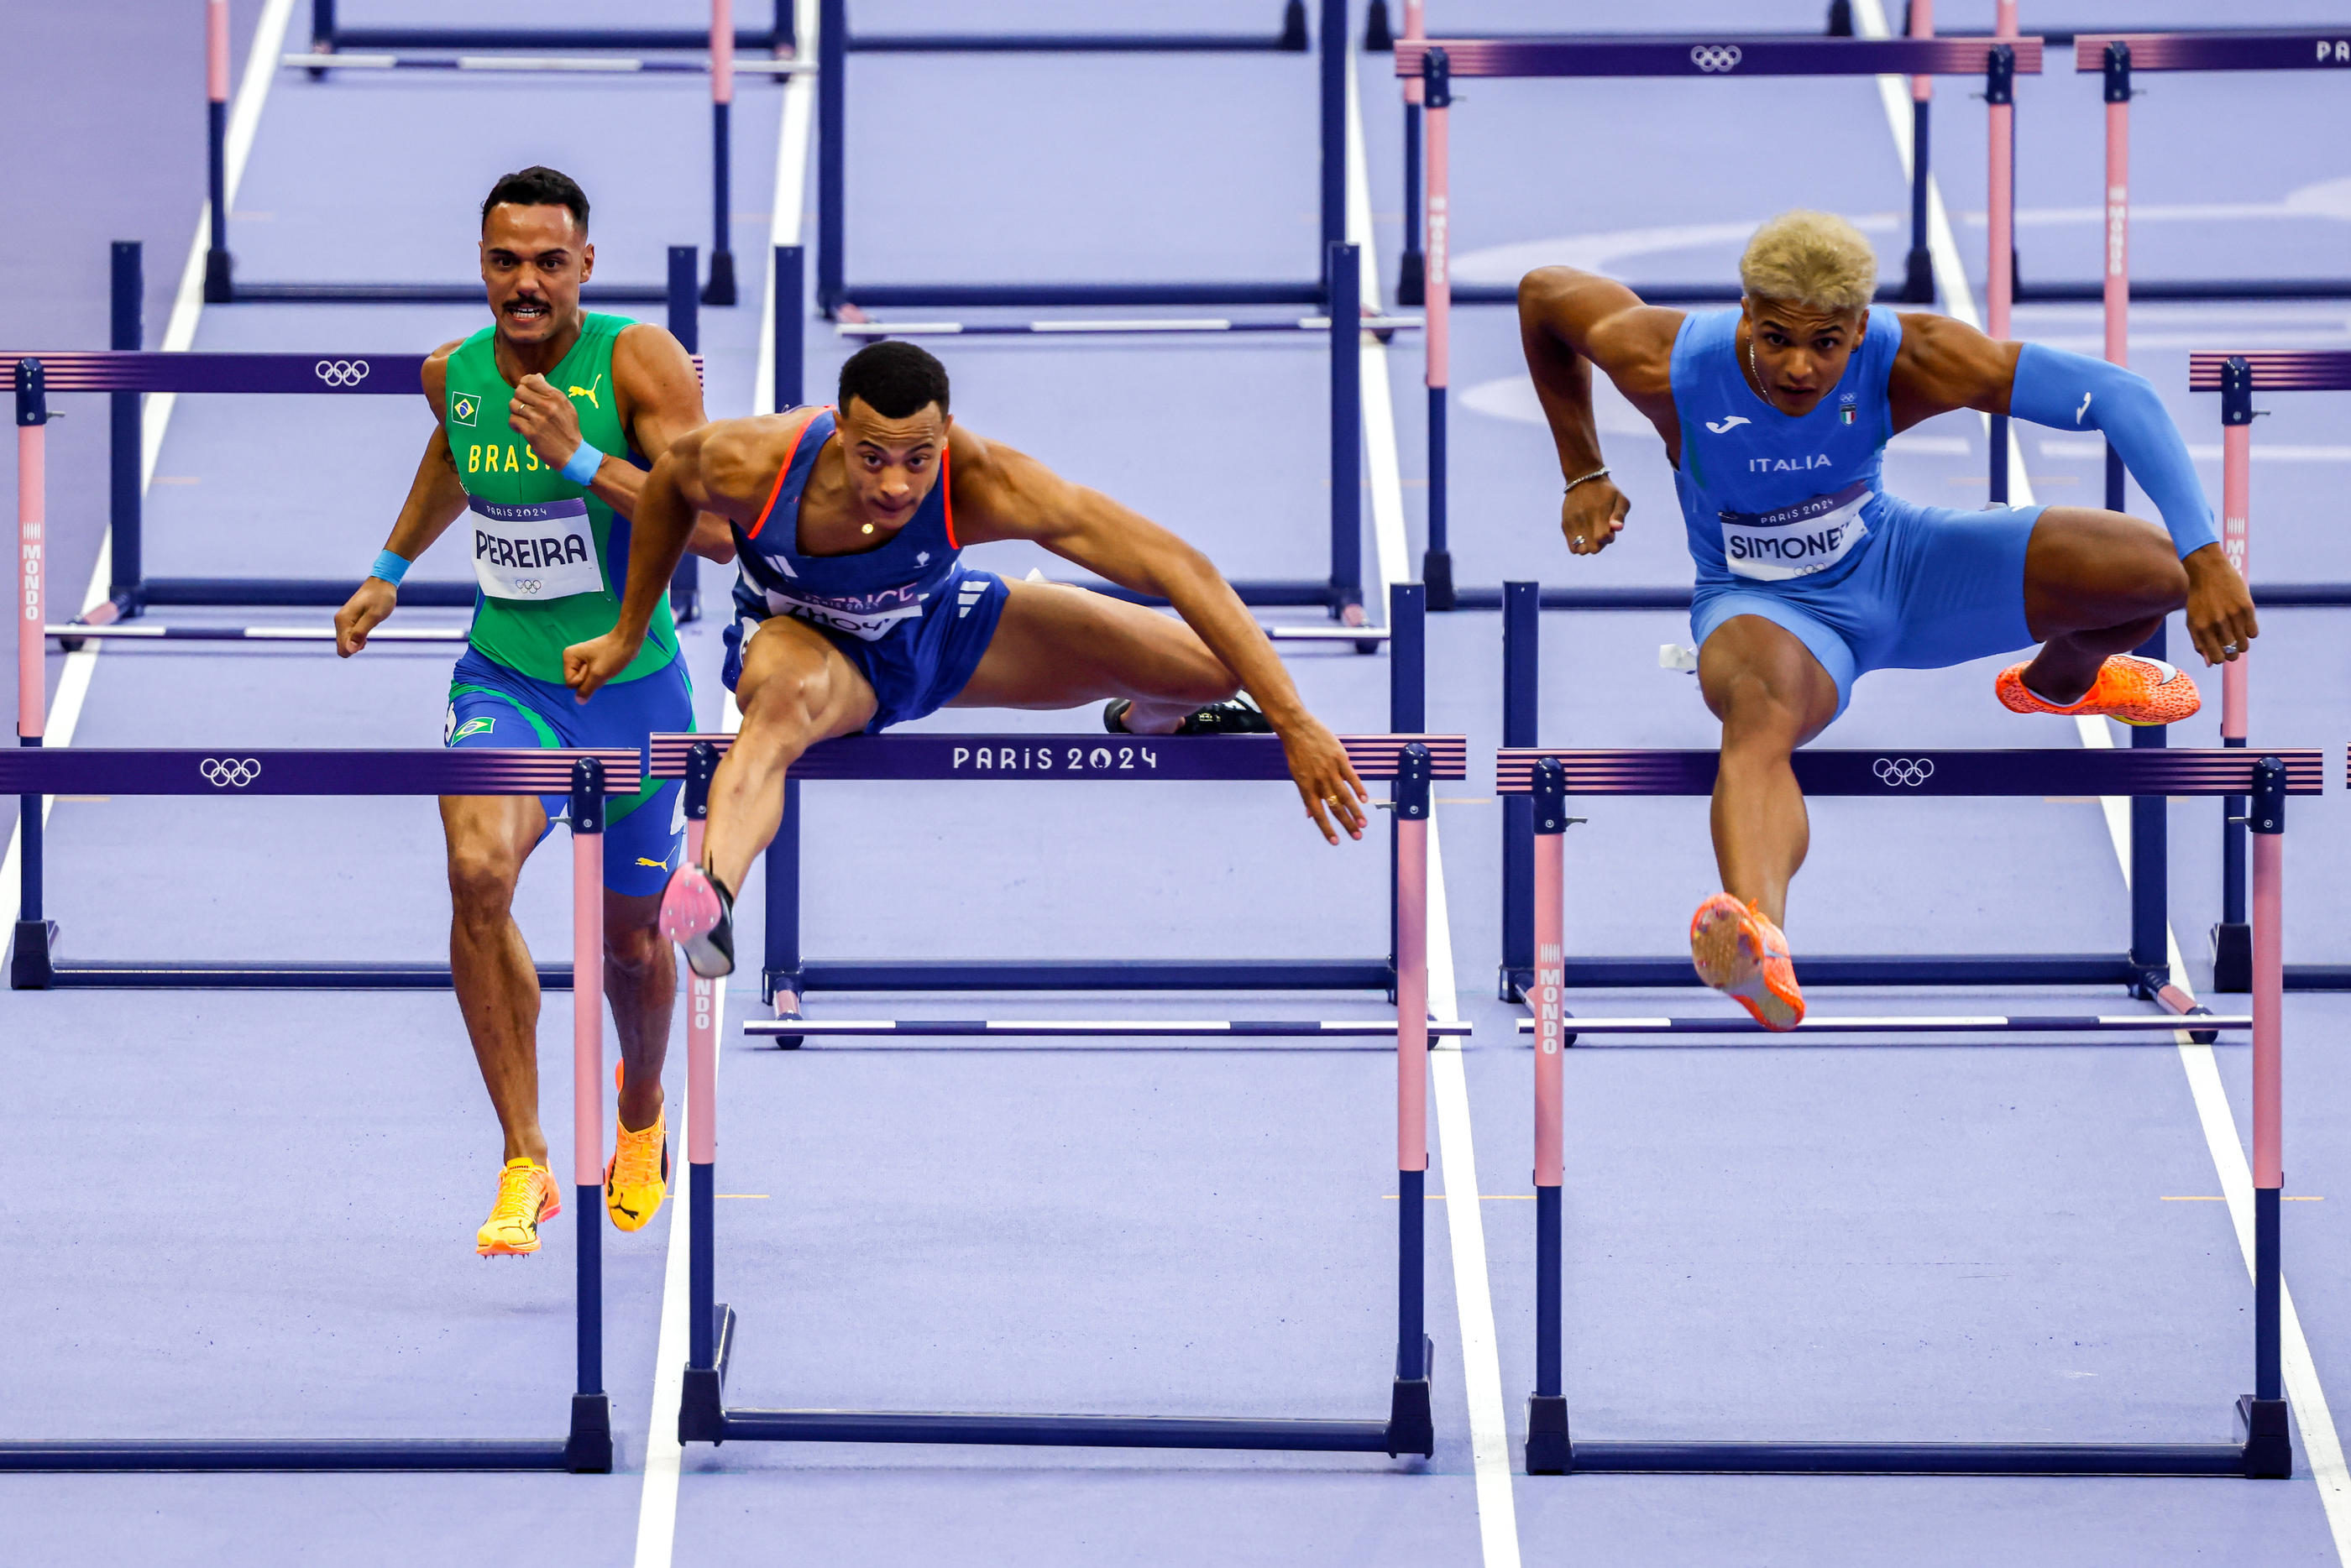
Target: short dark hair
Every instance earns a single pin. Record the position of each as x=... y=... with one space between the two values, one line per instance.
x=897 y=381
x=538 y=186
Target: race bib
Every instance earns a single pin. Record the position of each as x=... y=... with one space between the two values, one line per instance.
x=534 y=550
x=1795 y=540
x=868 y=617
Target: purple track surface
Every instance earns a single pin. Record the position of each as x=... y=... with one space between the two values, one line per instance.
x=242 y=1213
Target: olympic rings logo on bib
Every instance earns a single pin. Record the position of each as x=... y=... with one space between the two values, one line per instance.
x=340 y=372
x=1903 y=772
x=229 y=772
x=1717 y=57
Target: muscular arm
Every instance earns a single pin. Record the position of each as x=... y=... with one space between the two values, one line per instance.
x=1001 y=493
x=1570 y=321
x=1944 y=365
x=658 y=399
x=719 y=471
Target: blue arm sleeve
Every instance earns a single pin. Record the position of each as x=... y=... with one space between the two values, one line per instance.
x=2073 y=391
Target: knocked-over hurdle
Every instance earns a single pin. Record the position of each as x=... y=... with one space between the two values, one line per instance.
x=1435 y=63
x=1411 y=762
x=2236 y=377
x=2264 y=1447
x=31 y=772
x=2144 y=966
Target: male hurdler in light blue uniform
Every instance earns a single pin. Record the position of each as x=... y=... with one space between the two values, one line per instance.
x=1776 y=416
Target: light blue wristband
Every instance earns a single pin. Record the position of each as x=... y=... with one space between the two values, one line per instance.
x=581 y=469
x=389 y=566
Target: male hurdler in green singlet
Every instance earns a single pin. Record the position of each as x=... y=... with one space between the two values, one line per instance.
x=537 y=413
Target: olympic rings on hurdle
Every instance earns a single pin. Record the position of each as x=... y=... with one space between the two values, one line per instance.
x=1904 y=772
x=230 y=773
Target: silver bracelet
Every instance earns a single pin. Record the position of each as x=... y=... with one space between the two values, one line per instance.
x=1596 y=474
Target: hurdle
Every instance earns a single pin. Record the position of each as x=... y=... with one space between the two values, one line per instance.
x=720 y=40
x=2236 y=377
x=1411 y=762
x=2143 y=967
x=1334 y=288
x=127 y=371
x=31 y=772
x=836 y=43
x=788 y=976
x=33 y=963
x=2116 y=57
x=1434 y=64
x=2264 y=1447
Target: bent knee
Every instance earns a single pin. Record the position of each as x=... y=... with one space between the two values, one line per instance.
x=482 y=879
x=637 y=949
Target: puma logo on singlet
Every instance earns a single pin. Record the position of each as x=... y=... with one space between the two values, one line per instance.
x=2084 y=408
x=1727 y=426
x=588 y=392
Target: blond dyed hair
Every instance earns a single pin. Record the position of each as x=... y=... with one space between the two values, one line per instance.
x=1814 y=259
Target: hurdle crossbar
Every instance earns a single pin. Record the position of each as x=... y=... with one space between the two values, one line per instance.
x=126 y=371
x=703 y=1414
x=719 y=41
x=1080 y=326
x=32 y=772
x=2143 y=966
x=1096 y=1028
x=1432 y=64
x=2264 y=1447
x=1905 y=1023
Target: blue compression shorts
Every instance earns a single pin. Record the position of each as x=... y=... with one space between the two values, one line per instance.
x=644 y=833
x=1940 y=587
x=919 y=665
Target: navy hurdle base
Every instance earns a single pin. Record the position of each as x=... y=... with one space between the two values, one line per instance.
x=30 y=772
x=2236 y=377
x=2265 y=1446
x=2143 y=967
x=1411 y=762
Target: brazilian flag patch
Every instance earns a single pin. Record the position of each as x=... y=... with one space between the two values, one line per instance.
x=464 y=408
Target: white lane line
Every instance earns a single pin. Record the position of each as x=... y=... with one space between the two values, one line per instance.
x=187 y=305
x=1490 y=1431
x=664 y=1456
x=2320 y=1443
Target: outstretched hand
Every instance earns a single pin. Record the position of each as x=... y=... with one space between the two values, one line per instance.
x=589 y=665
x=1326 y=780
x=2220 y=618
x=1592 y=516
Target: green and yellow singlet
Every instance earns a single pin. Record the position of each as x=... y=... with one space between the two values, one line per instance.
x=550 y=559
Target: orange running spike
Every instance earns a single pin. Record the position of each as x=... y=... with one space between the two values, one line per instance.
x=2130 y=689
x=1745 y=957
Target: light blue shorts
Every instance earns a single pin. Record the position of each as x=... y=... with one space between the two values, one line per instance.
x=1938 y=586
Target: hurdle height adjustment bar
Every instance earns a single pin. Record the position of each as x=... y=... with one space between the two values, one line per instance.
x=1409 y=1428
x=2264 y=1447
x=586 y=777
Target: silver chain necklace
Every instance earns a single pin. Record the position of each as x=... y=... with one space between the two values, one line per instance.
x=1757 y=376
